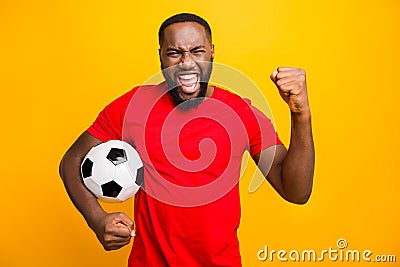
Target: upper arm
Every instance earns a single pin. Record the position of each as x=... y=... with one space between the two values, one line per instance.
x=270 y=161
x=78 y=151
x=83 y=144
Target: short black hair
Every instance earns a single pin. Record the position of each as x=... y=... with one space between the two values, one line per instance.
x=183 y=17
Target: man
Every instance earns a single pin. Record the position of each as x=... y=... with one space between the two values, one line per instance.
x=191 y=137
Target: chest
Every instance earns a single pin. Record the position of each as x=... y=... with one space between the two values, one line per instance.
x=190 y=140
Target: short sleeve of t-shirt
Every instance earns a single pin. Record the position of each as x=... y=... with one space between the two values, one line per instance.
x=109 y=123
x=262 y=133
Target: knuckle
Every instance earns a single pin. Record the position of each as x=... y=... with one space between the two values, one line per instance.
x=285 y=87
x=107 y=239
x=295 y=92
x=107 y=228
x=119 y=214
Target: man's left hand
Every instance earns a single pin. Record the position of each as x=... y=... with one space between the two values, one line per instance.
x=291 y=83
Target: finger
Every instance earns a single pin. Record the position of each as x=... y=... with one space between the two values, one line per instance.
x=290 y=88
x=286 y=68
x=122 y=234
x=112 y=239
x=119 y=239
x=116 y=245
x=121 y=230
x=285 y=80
x=116 y=228
x=273 y=75
x=131 y=231
x=285 y=90
x=127 y=221
x=285 y=96
x=124 y=219
x=289 y=73
x=291 y=78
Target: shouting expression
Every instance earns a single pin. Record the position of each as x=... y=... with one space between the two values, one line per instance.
x=186 y=56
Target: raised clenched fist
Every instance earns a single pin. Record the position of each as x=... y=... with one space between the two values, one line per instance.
x=291 y=83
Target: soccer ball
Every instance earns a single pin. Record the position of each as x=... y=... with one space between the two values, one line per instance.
x=112 y=171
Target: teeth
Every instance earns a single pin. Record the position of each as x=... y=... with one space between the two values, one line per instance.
x=188 y=76
x=188 y=82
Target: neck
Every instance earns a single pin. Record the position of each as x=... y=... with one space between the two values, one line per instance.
x=210 y=91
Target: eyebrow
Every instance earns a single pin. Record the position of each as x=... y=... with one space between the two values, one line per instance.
x=179 y=50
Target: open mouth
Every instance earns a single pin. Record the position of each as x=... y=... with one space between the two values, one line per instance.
x=189 y=83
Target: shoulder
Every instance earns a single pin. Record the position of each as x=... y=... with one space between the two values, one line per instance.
x=242 y=107
x=236 y=102
x=229 y=97
x=142 y=89
x=122 y=102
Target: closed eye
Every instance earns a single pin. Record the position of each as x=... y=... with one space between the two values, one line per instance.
x=174 y=53
x=198 y=51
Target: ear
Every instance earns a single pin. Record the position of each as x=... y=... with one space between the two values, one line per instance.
x=159 y=57
x=212 y=51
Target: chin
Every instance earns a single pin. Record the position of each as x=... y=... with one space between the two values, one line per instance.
x=190 y=102
x=185 y=95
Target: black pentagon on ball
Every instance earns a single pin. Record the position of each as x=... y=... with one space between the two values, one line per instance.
x=87 y=168
x=111 y=189
x=117 y=156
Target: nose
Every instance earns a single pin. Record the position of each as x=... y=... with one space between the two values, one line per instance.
x=187 y=60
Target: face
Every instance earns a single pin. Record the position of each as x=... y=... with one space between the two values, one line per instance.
x=186 y=55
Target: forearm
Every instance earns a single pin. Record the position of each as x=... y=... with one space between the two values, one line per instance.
x=83 y=200
x=298 y=166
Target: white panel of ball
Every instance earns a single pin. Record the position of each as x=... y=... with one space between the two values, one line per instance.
x=101 y=176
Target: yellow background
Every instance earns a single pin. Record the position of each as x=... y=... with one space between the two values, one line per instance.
x=62 y=61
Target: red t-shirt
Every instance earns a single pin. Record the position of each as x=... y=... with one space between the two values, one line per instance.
x=188 y=210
